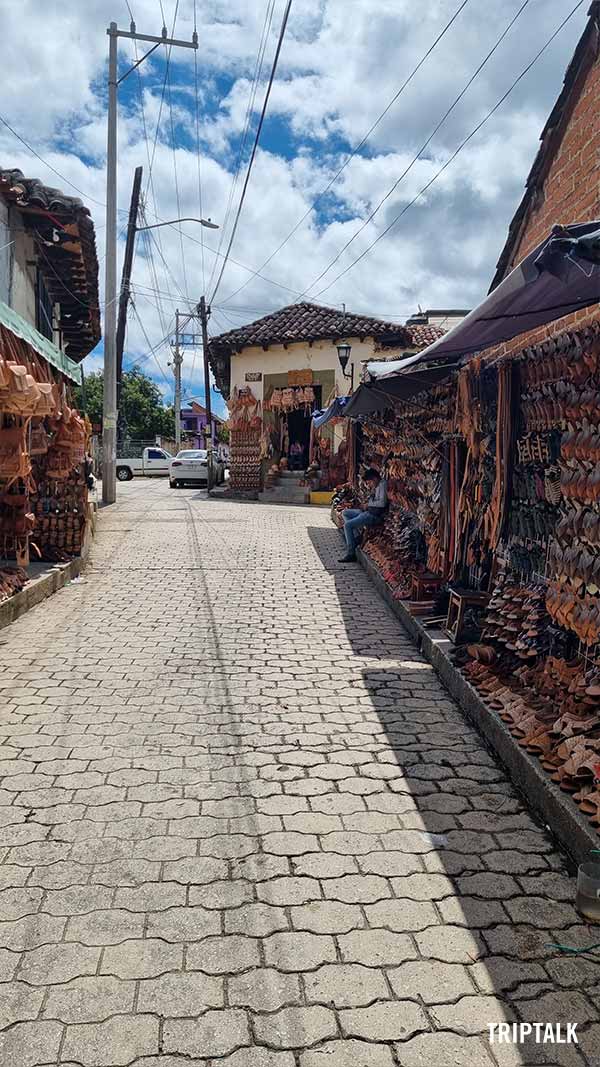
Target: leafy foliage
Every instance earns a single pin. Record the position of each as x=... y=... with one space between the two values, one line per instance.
x=141 y=405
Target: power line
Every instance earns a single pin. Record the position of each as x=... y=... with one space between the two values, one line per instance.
x=357 y=148
x=197 y=111
x=170 y=100
x=255 y=145
x=454 y=154
x=425 y=145
x=247 y=119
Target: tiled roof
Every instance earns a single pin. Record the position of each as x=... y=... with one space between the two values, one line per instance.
x=311 y=322
x=69 y=265
x=421 y=336
x=303 y=322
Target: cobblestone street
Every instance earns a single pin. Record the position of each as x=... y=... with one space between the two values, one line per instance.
x=242 y=824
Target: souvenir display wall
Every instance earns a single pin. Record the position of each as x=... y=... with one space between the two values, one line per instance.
x=494 y=488
x=43 y=478
x=245 y=428
x=408 y=446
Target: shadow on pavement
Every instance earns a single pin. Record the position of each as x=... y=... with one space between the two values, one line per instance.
x=463 y=851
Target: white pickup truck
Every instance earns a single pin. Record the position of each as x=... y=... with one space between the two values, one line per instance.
x=154 y=462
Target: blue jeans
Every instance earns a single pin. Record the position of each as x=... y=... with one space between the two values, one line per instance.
x=354 y=520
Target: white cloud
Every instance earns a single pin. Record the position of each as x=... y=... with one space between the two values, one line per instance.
x=341 y=63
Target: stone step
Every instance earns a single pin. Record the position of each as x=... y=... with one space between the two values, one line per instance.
x=285 y=495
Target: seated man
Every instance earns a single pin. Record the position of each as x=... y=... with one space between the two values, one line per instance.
x=371 y=515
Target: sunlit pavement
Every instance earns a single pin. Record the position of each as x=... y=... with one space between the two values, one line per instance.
x=243 y=824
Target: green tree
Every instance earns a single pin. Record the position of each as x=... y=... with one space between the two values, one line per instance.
x=141 y=403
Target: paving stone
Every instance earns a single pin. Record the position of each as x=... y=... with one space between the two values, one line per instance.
x=298 y=951
x=472 y=911
x=264 y=989
x=92 y=999
x=389 y=864
x=376 y=948
x=289 y=890
x=402 y=915
x=450 y=944
x=256 y=920
x=430 y=981
x=58 y=963
x=178 y=994
x=30 y=1043
x=345 y=985
x=30 y=931
x=323 y=865
x=392 y=1020
x=18 y=1002
x=195 y=869
x=262 y=799
x=472 y=1014
x=141 y=958
x=357 y=888
x=296 y=1027
x=224 y=955
x=106 y=927
x=112 y=1043
x=213 y=1034
x=424 y=1050
x=326 y=917
x=183 y=924
x=343 y=1053
x=220 y=895
x=78 y=899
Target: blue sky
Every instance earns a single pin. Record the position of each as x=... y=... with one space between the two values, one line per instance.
x=342 y=62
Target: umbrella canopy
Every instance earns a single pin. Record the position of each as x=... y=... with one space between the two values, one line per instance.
x=560 y=276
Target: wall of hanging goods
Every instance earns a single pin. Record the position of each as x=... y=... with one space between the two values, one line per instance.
x=43 y=475
x=494 y=516
x=245 y=428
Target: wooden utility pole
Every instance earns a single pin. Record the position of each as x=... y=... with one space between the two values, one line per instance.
x=109 y=427
x=124 y=295
x=204 y=312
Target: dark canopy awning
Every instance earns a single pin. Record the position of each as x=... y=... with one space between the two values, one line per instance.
x=379 y=395
x=560 y=276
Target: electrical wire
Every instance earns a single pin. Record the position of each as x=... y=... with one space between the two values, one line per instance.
x=152 y=353
x=246 y=126
x=425 y=144
x=197 y=116
x=177 y=197
x=357 y=148
x=254 y=146
x=451 y=158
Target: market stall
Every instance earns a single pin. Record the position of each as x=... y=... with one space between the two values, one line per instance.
x=43 y=448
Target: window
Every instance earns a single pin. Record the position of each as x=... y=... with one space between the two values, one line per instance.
x=43 y=308
x=153 y=453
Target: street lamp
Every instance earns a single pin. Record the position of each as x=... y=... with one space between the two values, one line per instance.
x=173 y=222
x=343 y=351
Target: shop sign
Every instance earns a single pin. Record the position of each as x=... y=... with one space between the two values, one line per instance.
x=254 y=376
x=300 y=377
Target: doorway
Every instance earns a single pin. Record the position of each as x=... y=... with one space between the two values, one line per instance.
x=298 y=423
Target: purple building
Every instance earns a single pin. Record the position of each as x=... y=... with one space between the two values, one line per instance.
x=194 y=425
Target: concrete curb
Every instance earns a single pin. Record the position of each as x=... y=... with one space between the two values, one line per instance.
x=555 y=808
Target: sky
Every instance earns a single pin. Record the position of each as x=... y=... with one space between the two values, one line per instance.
x=183 y=116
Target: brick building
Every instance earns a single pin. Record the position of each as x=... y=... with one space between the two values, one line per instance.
x=563 y=185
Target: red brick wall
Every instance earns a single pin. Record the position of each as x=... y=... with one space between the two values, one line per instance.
x=571 y=193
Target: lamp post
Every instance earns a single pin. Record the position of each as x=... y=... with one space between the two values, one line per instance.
x=343 y=351
x=173 y=222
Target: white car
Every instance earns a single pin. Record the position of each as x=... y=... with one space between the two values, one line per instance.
x=190 y=467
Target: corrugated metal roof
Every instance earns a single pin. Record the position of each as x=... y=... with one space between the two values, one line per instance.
x=45 y=348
